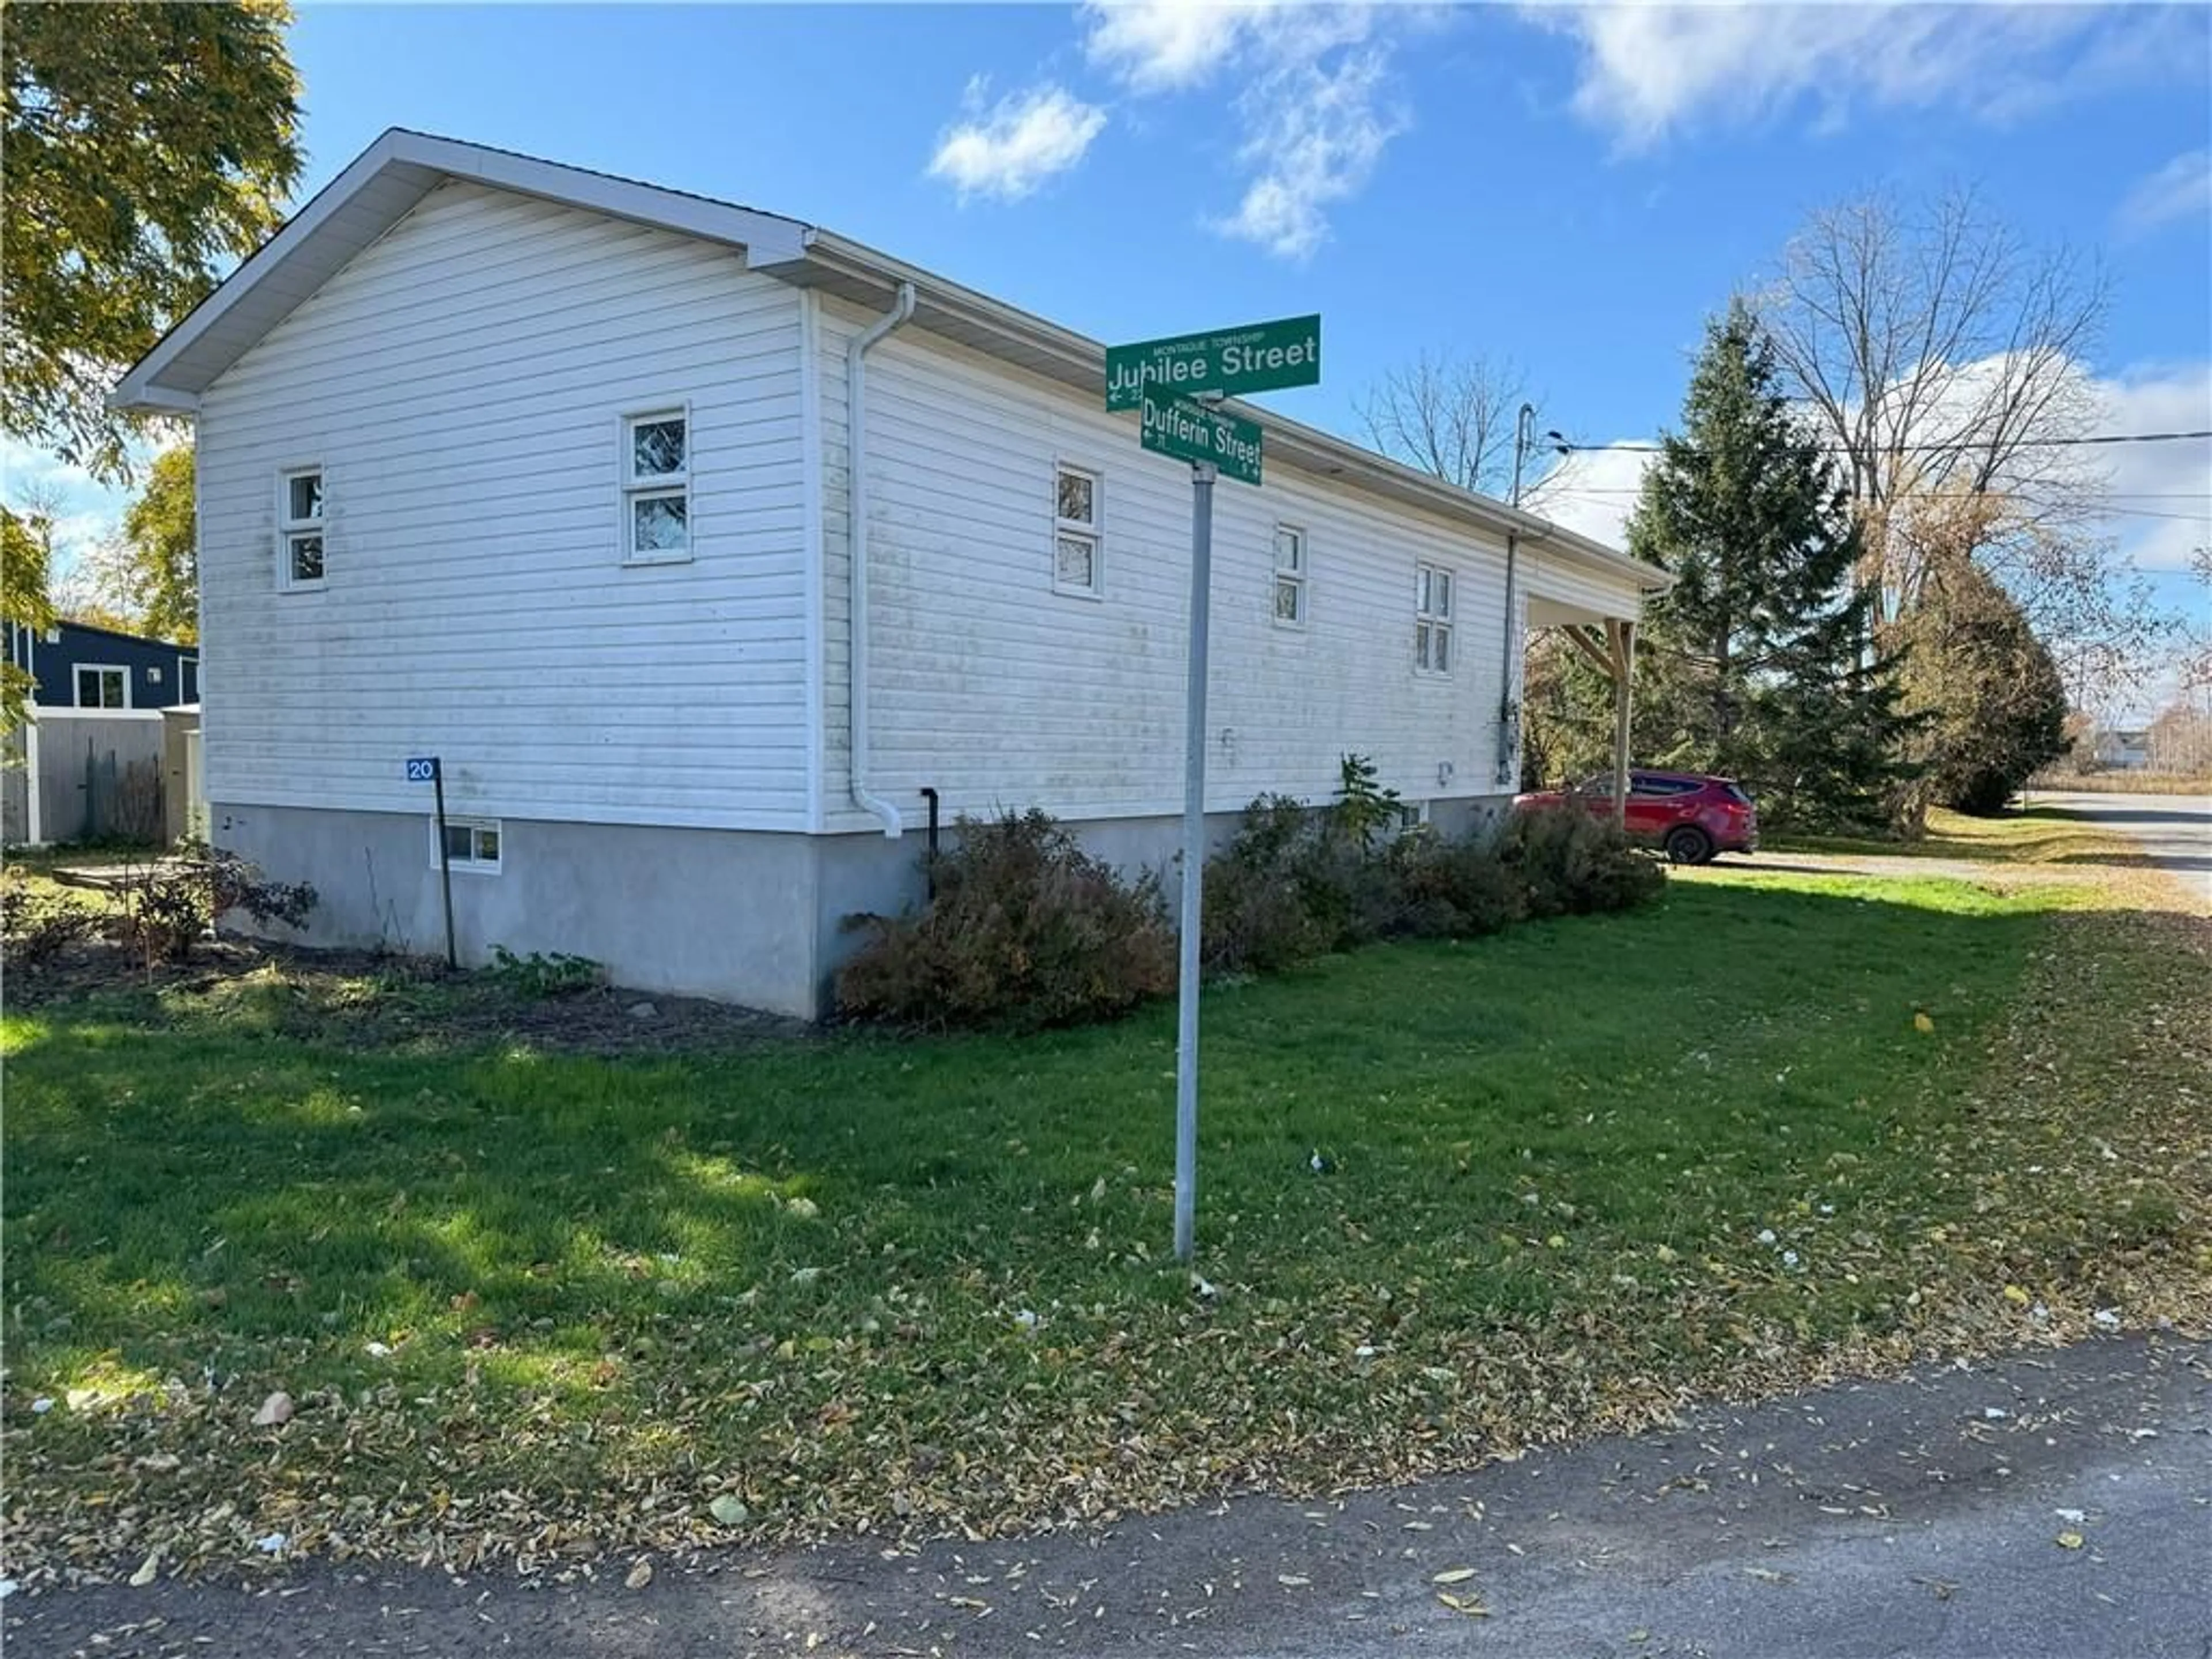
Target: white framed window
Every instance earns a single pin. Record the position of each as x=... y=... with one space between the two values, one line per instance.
x=473 y=844
x=1290 y=576
x=656 y=485
x=1078 y=532
x=1432 y=619
x=102 y=685
x=1412 y=815
x=300 y=526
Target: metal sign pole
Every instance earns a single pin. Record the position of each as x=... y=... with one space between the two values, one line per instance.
x=1194 y=861
x=445 y=859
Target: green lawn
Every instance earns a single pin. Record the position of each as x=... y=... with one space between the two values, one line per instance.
x=528 y=1303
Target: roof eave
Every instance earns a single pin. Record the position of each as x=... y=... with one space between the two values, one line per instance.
x=839 y=265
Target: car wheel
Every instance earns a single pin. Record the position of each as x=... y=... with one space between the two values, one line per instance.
x=1687 y=844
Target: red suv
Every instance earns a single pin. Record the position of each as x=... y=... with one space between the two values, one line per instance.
x=1691 y=817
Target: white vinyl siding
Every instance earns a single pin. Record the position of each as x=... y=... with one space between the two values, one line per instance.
x=462 y=381
x=988 y=690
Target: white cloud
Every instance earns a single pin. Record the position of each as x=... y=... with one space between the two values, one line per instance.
x=2181 y=188
x=1593 y=491
x=1314 y=96
x=1651 y=70
x=1165 y=46
x=1316 y=134
x=1011 y=147
x=2159 y=495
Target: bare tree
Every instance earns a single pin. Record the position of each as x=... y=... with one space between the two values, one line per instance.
x=1453 y=416
x=1937 y=352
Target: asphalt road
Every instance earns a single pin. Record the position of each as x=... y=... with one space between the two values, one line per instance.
x=2176 y=830
x=2054 y=1505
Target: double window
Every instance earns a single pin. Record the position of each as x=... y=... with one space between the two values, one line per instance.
x=1076 y=519
x=1290 y=575
x=300 y=526
x=101 y=686
x=656 y=474
x=1432 y=619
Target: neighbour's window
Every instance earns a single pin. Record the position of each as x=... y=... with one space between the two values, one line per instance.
x=1076 y=517
x=656 y=472
x=300 y=526
x=99 y=686
x=470 y=844
x=1432 y=619
x=1290 y=575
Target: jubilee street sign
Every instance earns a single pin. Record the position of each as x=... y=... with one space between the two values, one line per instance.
x=1191 y=432
x=1229 y=361
x=1174 y=383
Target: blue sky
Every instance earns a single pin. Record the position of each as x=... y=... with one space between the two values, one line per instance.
x=1575 y=190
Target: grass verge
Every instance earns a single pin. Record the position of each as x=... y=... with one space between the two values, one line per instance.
x=528 y=1305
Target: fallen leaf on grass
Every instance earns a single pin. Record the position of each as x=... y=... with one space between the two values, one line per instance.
x=1454 y=1576
x=640 y=1576
x=276 y=1410
x=147 y=1570
x=729 y=1511
x=1470 y=1605
x=2069 y=1540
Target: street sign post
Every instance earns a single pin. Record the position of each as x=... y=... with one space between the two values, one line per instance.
x=1174 y=385
x=424 y=768
x=1194 y=432
x=1225 y=363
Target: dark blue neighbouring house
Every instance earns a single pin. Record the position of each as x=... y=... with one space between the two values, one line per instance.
x=79 y=666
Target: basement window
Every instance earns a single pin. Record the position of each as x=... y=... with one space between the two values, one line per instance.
x=300 y=526
x=472 y=844
x=656 y=474
x=1432 y=619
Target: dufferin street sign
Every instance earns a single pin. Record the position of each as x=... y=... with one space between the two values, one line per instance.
x=1191 y=432
x=1257 y=357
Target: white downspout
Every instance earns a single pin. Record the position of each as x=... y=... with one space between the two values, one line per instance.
x=856 y=540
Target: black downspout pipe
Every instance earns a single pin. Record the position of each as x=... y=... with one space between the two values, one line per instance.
x=929 y=864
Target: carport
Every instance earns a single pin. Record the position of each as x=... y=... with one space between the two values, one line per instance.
x=1596 y=612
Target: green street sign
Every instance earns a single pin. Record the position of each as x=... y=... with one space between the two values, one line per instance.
x=1258 y=357
x=1191 y=432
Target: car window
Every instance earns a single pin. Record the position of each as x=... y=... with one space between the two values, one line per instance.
x=1657 y=786
x=1737 y=791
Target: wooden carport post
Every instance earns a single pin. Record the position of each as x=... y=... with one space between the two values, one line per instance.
x=1617 y=657
x=1620 y=651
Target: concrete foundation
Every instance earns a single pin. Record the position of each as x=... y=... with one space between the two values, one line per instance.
x=753 y=917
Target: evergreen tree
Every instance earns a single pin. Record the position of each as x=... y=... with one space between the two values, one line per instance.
x=1754 y=664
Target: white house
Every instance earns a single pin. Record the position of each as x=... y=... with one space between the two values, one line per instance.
x=555 y=477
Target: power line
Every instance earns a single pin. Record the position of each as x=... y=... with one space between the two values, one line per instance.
x=1918 y=449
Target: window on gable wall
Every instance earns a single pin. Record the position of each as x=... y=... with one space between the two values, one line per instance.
x=1432 y=619
x=1290 y=575
x=300 y=526
x=657 y=487
x=1075 y=522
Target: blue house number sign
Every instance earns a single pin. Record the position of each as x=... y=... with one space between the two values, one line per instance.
x=423 y=768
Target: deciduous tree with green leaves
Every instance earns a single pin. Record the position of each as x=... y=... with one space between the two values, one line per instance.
x=146 y=146
x=1751 y=665
x=24 y=549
